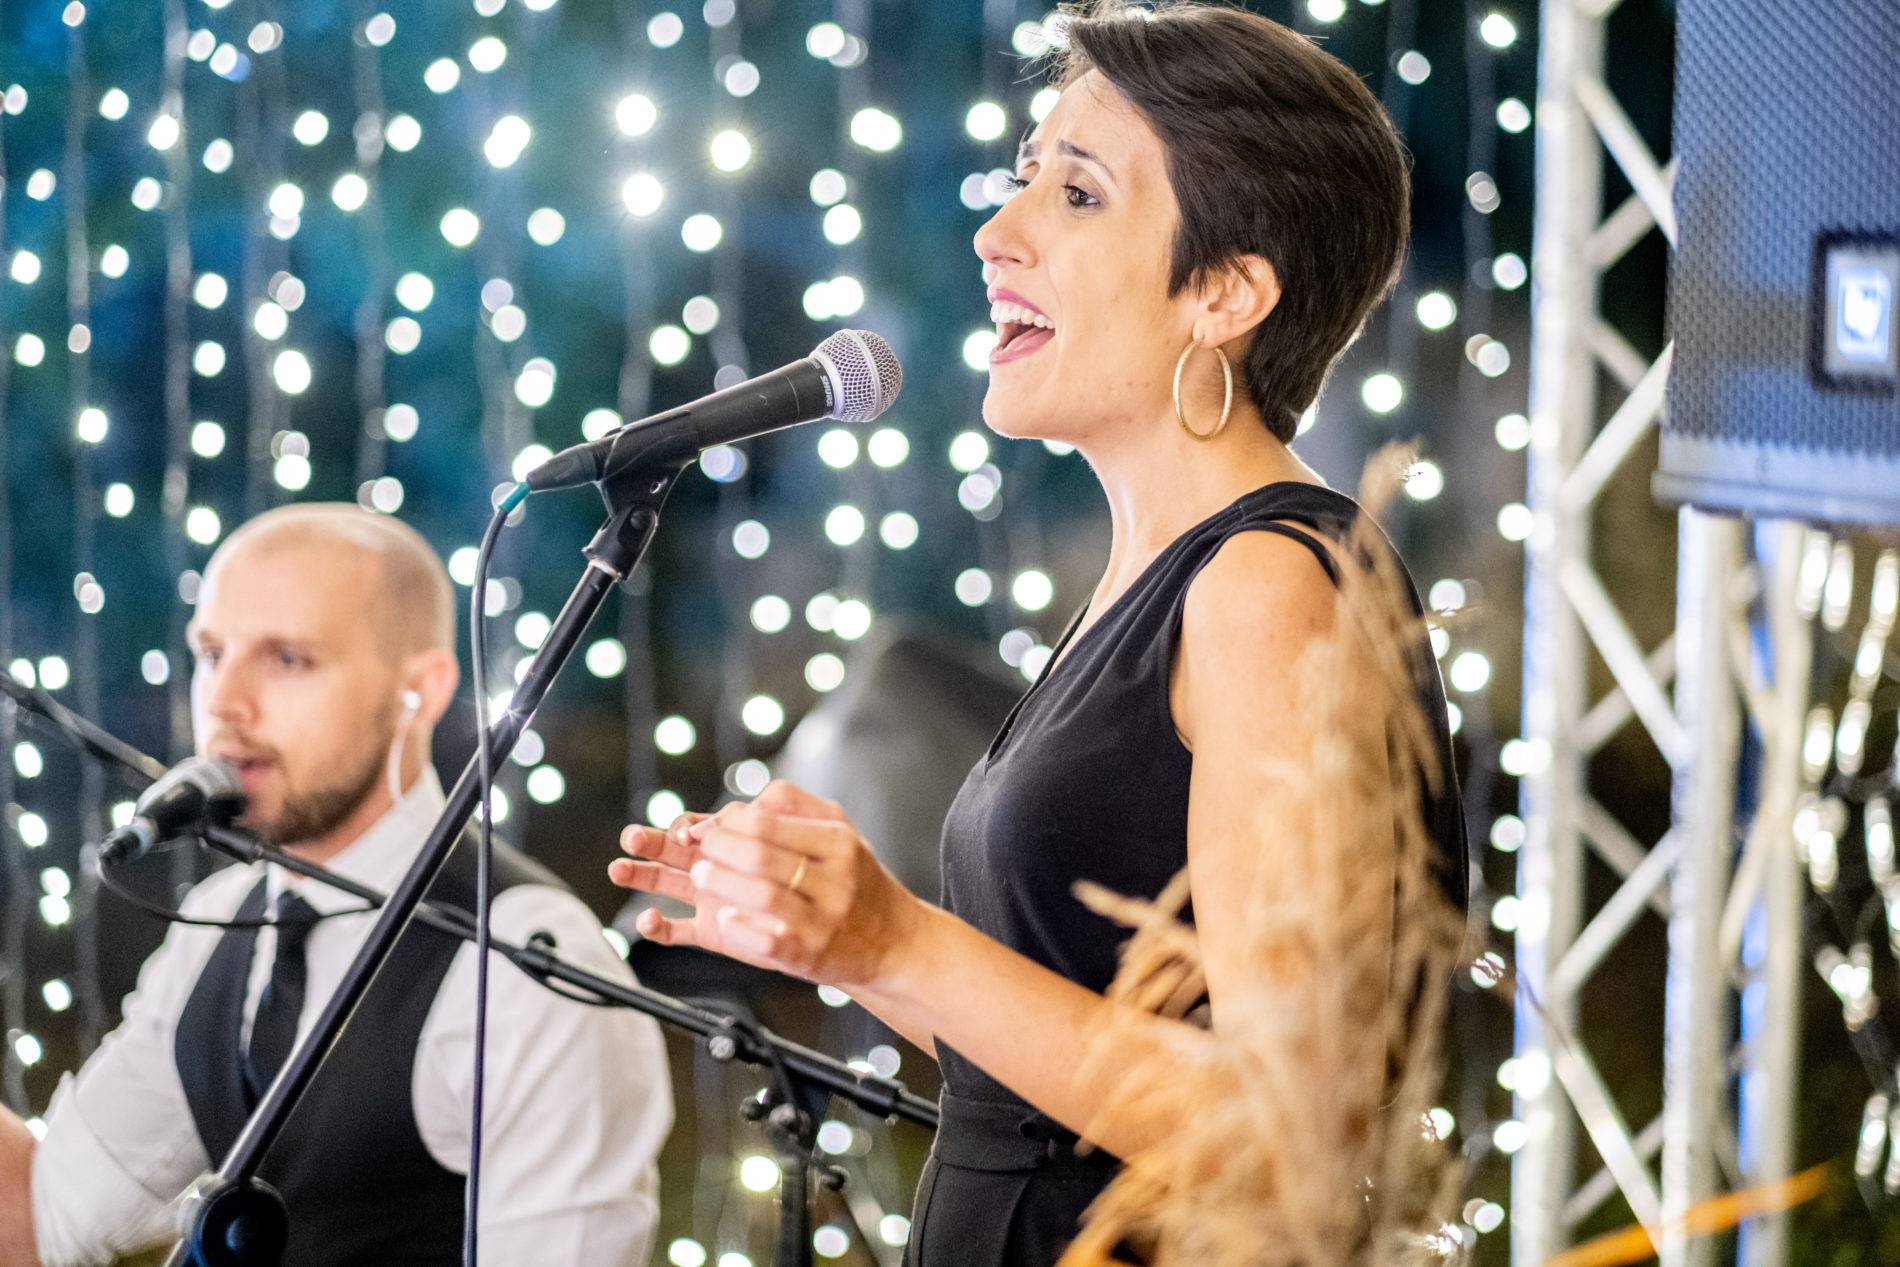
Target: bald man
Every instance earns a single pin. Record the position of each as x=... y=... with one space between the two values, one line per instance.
x=324 y=649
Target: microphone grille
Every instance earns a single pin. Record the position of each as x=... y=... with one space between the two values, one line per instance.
x=221 y=777
x=215 y=775
x=210 y=775
x=862 y=372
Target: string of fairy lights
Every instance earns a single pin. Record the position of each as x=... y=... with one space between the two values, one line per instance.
x=17 y=912
x=1851 y=933
x=370 y=276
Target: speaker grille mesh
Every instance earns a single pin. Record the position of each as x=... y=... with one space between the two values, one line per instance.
x=1787 y=124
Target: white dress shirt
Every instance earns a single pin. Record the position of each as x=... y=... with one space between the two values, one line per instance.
x=577 y=1103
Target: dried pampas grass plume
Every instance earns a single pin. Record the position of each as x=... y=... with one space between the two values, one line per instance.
x=1301 y=1136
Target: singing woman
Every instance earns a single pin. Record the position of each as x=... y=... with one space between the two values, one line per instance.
x=1201 y=225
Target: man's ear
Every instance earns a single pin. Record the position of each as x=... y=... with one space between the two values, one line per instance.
x=1235 y=301
x=432 y=675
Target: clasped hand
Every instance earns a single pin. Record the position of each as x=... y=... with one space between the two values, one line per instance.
x=784 y=881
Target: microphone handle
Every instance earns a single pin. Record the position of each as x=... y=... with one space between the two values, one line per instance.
x=175 y=809
x=134 y=840
x=787 y=396
x=784 y=397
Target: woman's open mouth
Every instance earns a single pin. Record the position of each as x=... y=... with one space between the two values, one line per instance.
x=1020 y=331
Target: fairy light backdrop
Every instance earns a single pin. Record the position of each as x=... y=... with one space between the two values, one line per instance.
x=259 y=251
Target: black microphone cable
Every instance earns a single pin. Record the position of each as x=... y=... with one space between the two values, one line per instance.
x=484 y=854
x=171 y=916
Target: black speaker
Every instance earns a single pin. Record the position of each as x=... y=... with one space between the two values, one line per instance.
x=1782 y=291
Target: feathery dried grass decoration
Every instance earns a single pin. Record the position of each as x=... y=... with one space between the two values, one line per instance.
x=1301 y=1137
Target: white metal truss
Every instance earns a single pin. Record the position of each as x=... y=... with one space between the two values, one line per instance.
x=1685 y=877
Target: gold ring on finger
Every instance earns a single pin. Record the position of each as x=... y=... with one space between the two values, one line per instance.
x=798 y=875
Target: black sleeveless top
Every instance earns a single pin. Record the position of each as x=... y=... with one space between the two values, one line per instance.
x=361 y=1187
x=1088 y=780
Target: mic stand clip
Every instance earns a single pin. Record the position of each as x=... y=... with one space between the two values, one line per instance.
x=794 y=1139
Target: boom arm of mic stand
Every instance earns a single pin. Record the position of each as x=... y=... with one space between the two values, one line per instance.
x=885 y=1097
x=89 y=738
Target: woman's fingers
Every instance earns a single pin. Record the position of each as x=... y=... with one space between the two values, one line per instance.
x=781 y=797
x=751 y=872
x=774 y=882
x=642 y=841
x=674 y=846
x=656 y=927
x=746 y=890
x=652 y=877
x=754 y=856
x=798 y=882
x=813 y=837
x=754 y=936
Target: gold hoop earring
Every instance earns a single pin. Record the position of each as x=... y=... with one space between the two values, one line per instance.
x=1227 y=401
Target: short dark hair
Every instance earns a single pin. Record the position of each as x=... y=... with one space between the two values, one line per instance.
x=1275 y=148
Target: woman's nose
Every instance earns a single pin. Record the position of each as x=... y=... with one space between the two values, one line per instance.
x=1002 y=241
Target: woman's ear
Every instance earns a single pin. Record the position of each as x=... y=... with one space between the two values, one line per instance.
x=1236 y=300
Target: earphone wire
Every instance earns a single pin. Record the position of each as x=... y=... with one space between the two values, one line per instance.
x=485 y=769
x=392 y=766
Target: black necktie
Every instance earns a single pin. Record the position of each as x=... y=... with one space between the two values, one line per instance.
x=274 y=1029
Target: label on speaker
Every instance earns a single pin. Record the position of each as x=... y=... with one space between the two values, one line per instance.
x=1860 y=280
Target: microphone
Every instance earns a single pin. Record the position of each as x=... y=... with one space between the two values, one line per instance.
x=196 y=790
x=852 y=376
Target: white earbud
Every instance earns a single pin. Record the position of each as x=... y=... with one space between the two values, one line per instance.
x=411 y=705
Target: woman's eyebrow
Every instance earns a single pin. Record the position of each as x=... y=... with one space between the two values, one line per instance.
x=1026 y=152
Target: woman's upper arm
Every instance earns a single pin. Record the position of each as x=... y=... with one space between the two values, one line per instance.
x=1244 y=699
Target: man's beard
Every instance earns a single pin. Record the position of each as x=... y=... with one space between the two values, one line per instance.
x=320 y=811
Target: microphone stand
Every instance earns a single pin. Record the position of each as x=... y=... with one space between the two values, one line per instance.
x=95 y=741
x=231 y=1218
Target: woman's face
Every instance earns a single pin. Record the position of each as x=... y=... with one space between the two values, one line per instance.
x=1077 y=264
